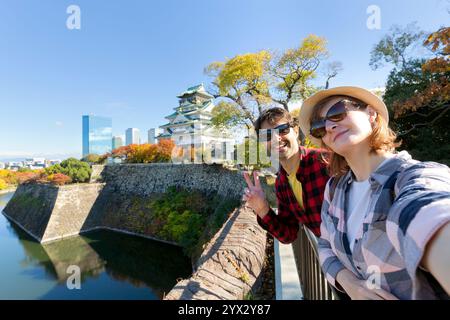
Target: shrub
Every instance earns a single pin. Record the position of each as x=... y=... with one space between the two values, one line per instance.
x=146 y=153
x=27 y=177
x=77 y=170
x=8 y=176
x=184 y=214
x=3 y=184
x=59 y=179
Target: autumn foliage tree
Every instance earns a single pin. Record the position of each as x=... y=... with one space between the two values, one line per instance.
x=3 y=184
x=418 y=92
x=13 y=178
x=120 y=152
x=251 y=82
x=146 y=153
x=59 y=179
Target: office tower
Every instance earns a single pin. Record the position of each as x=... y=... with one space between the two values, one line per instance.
x=152 y=134
x=97 y=135
x=132 y=136
x=117 y=142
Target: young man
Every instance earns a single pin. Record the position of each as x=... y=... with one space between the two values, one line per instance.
x=300 y=182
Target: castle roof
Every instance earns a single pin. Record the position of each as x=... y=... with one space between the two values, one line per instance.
x=199 y=89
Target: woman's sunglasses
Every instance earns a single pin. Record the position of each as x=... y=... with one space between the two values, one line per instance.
x=336 y=113
x=266 y=134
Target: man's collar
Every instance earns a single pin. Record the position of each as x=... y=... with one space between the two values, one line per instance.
x=301 y=153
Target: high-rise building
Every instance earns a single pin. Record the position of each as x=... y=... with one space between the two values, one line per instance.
x=132 y=136
x=152 y=134
x=117 y=142
x=97 y=135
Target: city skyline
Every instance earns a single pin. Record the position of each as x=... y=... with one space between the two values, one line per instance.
x=129 y=60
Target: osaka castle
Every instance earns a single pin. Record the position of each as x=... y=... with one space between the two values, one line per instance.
x=190 y=126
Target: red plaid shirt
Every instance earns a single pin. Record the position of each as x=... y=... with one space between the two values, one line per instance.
x=313 y=175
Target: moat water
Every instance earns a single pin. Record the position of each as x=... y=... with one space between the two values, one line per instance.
x=96 y=265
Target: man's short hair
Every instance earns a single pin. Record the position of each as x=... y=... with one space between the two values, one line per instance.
x=273 y=115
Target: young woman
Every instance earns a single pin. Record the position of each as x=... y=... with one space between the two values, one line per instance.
x=385 y=228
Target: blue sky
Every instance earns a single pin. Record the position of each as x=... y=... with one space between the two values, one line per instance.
x=131 y=58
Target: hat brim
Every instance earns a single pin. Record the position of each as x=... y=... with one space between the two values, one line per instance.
x=359 y=93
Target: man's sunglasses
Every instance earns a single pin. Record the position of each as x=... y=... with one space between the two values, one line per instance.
x=266 y=134
x=336 y=113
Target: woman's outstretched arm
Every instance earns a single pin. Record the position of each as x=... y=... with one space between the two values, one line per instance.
x=436 y=258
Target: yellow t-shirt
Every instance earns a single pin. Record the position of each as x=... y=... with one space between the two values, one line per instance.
x=296 y=186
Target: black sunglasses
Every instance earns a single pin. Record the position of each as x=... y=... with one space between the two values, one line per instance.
x=336 y=113
x=266 y=134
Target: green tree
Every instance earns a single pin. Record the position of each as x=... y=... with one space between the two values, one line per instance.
x=418 y=92
x=396 y=47
x=227 y=115
x=242 y=80
x=77 y=170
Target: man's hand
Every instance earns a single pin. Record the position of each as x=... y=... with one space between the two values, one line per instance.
x=254 y=196
x=358 y=290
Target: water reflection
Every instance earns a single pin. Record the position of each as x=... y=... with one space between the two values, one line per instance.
x=113 y=265
x=74 y=251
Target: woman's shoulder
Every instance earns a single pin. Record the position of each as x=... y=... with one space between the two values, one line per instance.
x=416 y=167
x=427 y=173
x=402 y=163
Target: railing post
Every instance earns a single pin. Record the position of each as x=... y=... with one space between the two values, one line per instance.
x=313 y=281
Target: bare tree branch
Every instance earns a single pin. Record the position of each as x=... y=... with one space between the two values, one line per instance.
x=417 y=125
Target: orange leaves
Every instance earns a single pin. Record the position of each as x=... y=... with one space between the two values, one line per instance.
x=439 y=43
x=121 y=151
x=165 y=147
x=440 y=38
x=436 y=72
x=436 y=91
x=26 y=177
x=59 y=179
x=436 y=65
x=146 y=153
x=16 y=177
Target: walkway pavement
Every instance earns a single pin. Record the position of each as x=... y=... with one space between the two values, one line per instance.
x=287 y=282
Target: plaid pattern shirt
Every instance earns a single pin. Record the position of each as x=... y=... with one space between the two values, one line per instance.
x=313 y=175
x=409 y=202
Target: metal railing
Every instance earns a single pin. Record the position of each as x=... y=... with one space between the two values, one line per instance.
x=314 y=284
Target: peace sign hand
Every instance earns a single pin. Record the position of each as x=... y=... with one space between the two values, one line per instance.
x=254 y=196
